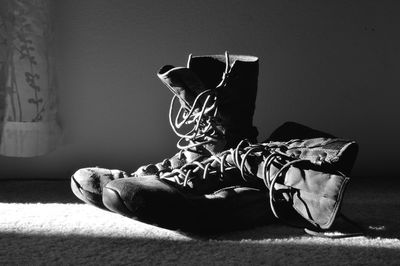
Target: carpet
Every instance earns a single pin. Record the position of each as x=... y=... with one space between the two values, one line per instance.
x=41 y=223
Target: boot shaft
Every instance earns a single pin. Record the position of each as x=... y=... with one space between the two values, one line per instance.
x=231 y=83
x=305 y=179
x=234 y=79
x=330 y=153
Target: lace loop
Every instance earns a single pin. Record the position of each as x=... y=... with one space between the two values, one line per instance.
x=216 y=164
x=201 y=114
x=240 y=158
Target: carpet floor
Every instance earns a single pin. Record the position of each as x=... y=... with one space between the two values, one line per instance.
x=41 y=223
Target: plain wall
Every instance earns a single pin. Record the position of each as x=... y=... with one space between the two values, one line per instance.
x=332 y=65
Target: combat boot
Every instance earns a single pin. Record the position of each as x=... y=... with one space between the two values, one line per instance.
x=215 y=95
x=302 y=181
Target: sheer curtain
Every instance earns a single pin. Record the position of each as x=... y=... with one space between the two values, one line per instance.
x=28 y=100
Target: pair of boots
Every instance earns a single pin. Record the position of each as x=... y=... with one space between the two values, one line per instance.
x=221 y=178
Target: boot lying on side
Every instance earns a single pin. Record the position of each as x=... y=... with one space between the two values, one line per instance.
x=216 y=97
x=298 y=181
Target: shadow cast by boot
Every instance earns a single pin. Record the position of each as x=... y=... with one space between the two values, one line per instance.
x=78 y=249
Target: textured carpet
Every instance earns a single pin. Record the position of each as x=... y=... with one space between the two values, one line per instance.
x=41 y=223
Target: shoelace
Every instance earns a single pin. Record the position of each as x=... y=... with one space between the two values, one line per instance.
x=273 y=155
x=190 y=171
x=239 y=157
x=270 y=182
x=204 y=122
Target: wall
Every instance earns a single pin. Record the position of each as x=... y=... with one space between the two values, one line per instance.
x=332 y=65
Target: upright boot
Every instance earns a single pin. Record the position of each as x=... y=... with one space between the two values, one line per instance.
x=217 y=100
x=216 y=96
x=298 y=181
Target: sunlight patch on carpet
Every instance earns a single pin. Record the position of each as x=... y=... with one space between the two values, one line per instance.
x=75 y=219
x=85 y=220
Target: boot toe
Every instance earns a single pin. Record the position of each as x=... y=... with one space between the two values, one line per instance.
x=87 y=183
x=145 y=198
x=123 y=196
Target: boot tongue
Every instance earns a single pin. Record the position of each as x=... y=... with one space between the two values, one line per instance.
x=183 y=82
